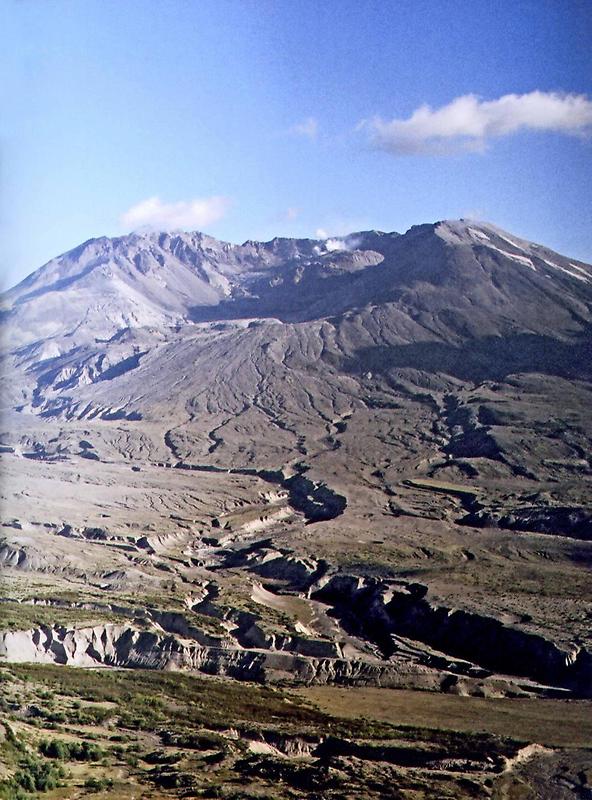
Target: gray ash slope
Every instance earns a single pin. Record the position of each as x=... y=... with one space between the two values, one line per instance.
x=460 y=298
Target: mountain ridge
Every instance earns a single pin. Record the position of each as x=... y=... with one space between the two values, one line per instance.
x=450 y=229
x=166 y=278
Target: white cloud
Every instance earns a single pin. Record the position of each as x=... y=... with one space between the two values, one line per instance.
x=183 y=215
x=308 y=128
x=468 y=123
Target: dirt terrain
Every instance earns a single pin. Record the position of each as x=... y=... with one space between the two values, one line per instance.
x=300 y=523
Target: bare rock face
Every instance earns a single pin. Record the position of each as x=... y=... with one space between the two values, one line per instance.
x=560 y=521
x=384 y=611
x=261 y=660
x=125 y=646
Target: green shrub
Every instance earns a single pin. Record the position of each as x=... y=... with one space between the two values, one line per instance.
x=168 y=777
x=161 y=757
x=202 y=740
x=98 y=784
x=55 y=749
x=71 y=751
x=35 y=775
x=55 y=716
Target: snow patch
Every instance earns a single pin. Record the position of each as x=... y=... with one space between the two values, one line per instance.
x=580 y=269
x=509 y=241
x=567 y=271
x=479 y=234
x=520 y=259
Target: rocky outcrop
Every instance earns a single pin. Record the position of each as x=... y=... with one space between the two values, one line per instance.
x=296 y=570
x=126 y=646
x=575 y=522
x=111 y=645
x=315 y=500
x=264 y=559
x=250 y=633
x=300 y=661
x=382 y=611
x=282 y=744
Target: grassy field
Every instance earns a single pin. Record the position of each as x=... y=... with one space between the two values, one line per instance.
x=554 y=723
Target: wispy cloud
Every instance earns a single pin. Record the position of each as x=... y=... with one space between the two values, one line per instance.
x=308 y=128
x=469 y=123
x=183 y=215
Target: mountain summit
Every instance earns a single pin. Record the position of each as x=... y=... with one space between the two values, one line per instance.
x=463 y=274
x=454 y=297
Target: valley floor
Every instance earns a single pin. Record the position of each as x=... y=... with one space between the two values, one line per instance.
x=391 y=611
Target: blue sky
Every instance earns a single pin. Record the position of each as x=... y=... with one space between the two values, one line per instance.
x=288 y=118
